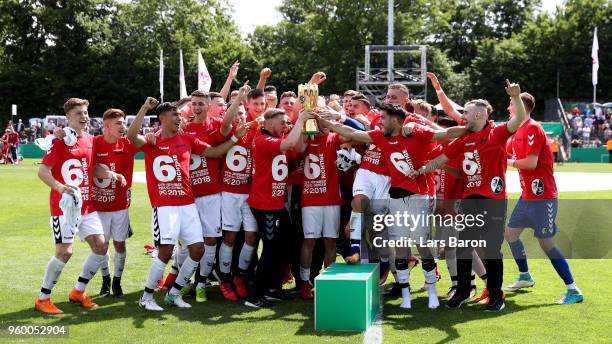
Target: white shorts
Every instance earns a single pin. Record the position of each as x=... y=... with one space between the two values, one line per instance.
x=374 y=186
x=116 y=224
x=209 y=209
x=89 y=225
x=418 y=226
x=321 y=221
x=235 y=212
x=172 y=223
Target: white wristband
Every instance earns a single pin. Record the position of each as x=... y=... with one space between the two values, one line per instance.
x=234 y=139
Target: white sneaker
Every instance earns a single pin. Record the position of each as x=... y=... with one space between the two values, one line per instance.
x=523 y=281
x=150 y=305
x=176 y=300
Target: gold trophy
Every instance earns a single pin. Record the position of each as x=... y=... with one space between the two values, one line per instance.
x=308 y=95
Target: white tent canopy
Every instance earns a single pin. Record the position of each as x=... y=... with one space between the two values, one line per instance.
x=456 y=106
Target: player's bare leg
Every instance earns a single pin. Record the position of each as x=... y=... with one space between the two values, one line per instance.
x=305 y=263
x=330 y=251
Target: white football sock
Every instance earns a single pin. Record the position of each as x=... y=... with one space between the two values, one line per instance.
x=225 y=258
x=119 y=263
x=406 y=302
x=433 y=296
x=305 y=274
x=90 y=267
x=104 y=267
x=355 y=225
x=155 y=274
x=52 y=273
x=246 y=254
x=207 y=261
x=185 y=273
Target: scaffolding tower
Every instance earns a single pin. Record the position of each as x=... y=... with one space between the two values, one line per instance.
x=380 y=70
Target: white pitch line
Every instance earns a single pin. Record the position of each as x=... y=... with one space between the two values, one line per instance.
x=374 y=334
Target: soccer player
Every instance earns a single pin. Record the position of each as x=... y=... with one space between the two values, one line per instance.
x=271 y=97
x=217 y=106
x=404 y=155
x=175 y=215
x=537 y=207
x=346 y=100
x=256 y=105
x=236 y=173
x=483 y=173
x=66 y=169
x=206 y=184
x=287 y=102
x=267 y=201
x=320 y=202
x=111 y=196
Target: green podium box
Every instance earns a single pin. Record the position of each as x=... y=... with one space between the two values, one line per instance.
x=347 y=297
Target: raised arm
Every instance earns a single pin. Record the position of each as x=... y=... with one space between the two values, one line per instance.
x=229 y=116
x=264 y=75
x=439 y=134
x=346 y=131
x=132 y=134
x=444 y=100
x=225 y=91
x=296 y=132
x=317 y=78
x=332 y=115
x=514 y=91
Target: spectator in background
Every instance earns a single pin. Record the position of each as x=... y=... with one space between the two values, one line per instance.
x=12 y=139
x=597 y=143
x=588 y=110
x=586 y=133
x=19 y=127
x=607 y=133
x=50 y=126
x=609 y=145
x=554 y=148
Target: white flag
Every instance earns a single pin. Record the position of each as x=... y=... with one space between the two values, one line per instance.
x=182 y=76
x=161 y=75
x=204 y=79
x=594 y=57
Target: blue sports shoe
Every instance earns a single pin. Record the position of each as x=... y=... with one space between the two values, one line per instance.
x=572 y=296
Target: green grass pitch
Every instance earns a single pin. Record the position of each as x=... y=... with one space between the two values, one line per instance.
x=26 y=245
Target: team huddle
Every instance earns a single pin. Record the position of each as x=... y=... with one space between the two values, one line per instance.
x=221 y=179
